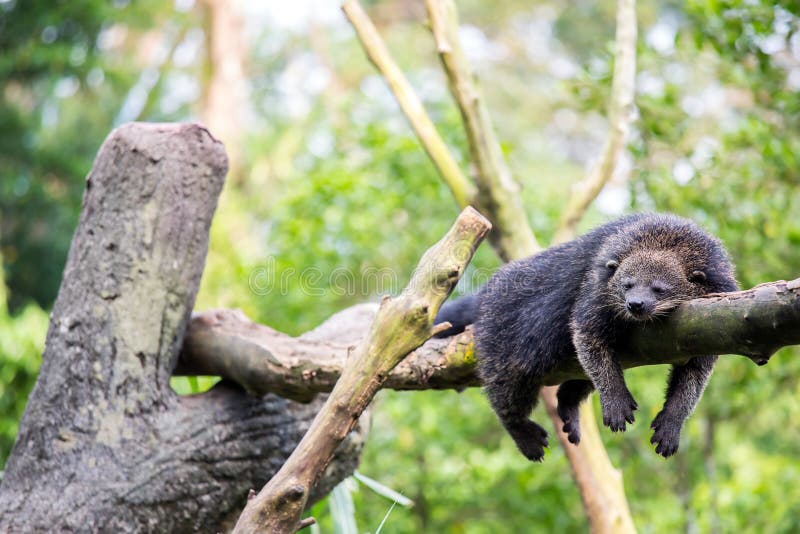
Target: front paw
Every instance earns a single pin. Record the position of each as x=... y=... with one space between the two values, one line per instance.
x=666 y=435
x=618 y=410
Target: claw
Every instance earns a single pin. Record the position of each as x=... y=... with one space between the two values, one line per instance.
x=531 y=439
x=666 y=435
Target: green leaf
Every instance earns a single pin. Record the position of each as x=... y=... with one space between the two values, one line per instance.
x=384 y=491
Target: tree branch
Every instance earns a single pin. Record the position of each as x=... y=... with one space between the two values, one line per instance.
x=462 y=188
x=401 y=325
x=620 y=116
x=753 y=323
x=498 y=191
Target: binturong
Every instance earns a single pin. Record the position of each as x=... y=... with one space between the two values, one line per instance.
x=579 y=300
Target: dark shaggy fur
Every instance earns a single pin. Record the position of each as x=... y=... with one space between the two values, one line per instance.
x=576 y=300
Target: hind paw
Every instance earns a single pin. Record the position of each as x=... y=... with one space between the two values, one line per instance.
x=573 y=431
x=666 y=435
x=571 y=420
x=531 y=439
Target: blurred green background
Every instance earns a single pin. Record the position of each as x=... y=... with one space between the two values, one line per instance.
x=327 y=175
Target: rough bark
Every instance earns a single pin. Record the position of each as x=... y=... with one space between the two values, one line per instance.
x=105 y=444
x=260 y=359
x=401 y=324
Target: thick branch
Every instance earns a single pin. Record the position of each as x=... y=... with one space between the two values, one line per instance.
x=754 y=323
x=401 y=325
x=462 y=188
x=498 y=191
x=226 y=343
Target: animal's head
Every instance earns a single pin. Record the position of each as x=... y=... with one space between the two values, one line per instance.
x=650 y=283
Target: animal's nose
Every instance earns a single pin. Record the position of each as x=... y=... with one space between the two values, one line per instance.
x=635 y=305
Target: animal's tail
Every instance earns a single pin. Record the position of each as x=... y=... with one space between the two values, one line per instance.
x=459 y=313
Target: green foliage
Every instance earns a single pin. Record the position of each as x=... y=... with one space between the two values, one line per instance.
x=190 y=385
x=21 y=345
x=60 y=91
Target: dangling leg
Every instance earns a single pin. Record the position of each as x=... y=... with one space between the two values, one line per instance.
x=685 y=387
x=597 y=360
x=570 y=395
x=513 y=397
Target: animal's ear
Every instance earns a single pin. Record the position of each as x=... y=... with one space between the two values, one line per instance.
x=612 y=265
x=698 y=277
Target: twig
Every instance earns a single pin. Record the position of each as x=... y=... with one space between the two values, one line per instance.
x=462 y=188
x=401 y=325
x=307 y=522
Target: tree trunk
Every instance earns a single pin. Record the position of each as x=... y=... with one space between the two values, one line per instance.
x=105 y=444
x=226 y=93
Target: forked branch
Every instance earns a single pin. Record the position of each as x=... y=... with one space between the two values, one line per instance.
x=498 y=192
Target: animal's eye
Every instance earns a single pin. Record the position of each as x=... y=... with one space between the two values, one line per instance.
x=612 y=265
x=698 y=277
x=627 y=285
x=659 y=290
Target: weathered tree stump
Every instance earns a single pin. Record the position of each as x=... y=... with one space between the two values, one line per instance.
x=105 y=444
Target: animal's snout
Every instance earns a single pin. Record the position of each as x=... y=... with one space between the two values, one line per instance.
x=635 y=305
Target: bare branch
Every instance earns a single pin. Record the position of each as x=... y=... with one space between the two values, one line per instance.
x=401 y=325
x=498 y=191
x=620 y=117
x=462 y=188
